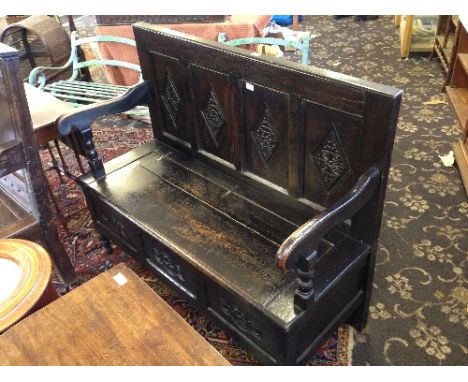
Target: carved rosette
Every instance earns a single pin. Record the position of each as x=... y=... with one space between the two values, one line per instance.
x=330 y=160
x=213 y=117
x=171 y=99
x=266 y=135
x=168 y=265
x=240 y=319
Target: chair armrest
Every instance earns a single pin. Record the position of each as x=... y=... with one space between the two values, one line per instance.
x=84 y=117
x=305 y=240
x=37 y=76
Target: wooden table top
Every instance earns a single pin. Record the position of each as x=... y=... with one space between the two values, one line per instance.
x=44 y=107
x=113 y=319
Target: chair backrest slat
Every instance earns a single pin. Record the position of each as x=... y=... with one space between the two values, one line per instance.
x=123 y=64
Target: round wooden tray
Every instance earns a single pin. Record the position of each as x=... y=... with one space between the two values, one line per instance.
x=33 y=265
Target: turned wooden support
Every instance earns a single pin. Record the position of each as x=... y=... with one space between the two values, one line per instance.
x=292 y=253
x=82 y=120
x=305 y=291
x=95 y=162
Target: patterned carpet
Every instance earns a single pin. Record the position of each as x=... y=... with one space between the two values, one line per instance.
x=418 y=313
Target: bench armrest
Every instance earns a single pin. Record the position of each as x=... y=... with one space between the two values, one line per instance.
x=84 y=116
x=303 y=242
x=82 y=119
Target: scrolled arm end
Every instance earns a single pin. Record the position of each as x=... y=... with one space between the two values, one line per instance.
x=289 y=251
x=299 y=252
x=305 y=240
x=37 y=77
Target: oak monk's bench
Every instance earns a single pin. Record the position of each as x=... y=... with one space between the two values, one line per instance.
x=261 y=195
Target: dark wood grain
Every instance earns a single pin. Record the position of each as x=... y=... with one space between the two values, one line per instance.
x=104 y=323
x=16 y=125
x=253 y=157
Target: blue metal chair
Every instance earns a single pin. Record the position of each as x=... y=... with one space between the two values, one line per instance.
x=78 y=92
x=302 y=45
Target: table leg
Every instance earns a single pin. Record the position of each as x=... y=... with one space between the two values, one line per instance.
x=64 y=164
x=55 y=163
x=295 y=23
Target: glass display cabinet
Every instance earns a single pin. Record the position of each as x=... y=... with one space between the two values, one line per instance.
x=24 y=203
x=416 y=33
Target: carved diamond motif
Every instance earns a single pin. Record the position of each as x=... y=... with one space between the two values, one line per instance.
x=213 y=117
x=330 y=159
x=171 y=99
x=265 y=135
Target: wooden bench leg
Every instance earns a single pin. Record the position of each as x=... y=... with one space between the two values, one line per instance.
x=359 y=318
x=106 y=244
x=95 y=163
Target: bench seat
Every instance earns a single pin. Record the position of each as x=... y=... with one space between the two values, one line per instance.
x=213 y=222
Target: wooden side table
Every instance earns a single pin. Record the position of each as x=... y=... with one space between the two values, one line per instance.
x=113 y=319
x=25 y=270
x=45 y=109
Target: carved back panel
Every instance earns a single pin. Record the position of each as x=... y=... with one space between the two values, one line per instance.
x=303 y=131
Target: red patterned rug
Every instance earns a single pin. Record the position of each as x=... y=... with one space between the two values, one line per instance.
x=113 y=137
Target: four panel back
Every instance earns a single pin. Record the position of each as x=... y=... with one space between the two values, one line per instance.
x=306 y=132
